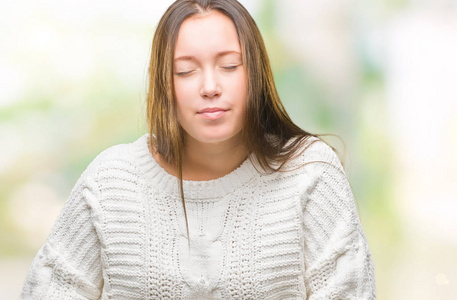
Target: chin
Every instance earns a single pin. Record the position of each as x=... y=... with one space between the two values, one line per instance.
x=212 y=137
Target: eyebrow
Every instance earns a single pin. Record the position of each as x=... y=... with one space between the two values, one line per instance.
x=219 y=54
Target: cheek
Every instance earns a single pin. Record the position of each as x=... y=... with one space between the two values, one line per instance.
x=181 y=98
x=178 y=89
x=241 y=89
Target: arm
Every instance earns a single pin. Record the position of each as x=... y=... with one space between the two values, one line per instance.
x=337 y=258
x=68 y=265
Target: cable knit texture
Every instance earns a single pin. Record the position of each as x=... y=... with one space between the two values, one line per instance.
x=285 y=235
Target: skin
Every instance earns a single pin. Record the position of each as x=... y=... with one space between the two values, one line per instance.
x=208 y=74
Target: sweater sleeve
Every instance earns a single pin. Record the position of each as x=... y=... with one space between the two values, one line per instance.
x=337 y=258
x=68 y=265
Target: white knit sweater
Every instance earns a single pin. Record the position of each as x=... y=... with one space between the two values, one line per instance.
x=286 y=235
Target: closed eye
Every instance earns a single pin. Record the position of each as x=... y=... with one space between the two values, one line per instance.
x=229 y=68
x=183 y=73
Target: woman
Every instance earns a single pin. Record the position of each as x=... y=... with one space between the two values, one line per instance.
x=225 y=198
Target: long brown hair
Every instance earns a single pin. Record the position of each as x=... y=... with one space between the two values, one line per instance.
x=268 y=131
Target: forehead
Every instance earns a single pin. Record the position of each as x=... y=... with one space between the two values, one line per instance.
x=207 y=34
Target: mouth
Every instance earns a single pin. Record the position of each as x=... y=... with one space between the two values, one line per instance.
x=212 y=113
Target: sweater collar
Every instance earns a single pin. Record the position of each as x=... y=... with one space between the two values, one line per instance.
x=208 y=190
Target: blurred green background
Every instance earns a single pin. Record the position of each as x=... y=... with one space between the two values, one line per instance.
x=381 y=74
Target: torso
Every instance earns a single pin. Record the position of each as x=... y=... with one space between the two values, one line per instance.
x=245 y=233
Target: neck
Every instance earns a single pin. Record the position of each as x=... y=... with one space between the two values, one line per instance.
x=206 y=161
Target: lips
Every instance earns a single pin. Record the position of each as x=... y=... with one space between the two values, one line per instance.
x=212 y=113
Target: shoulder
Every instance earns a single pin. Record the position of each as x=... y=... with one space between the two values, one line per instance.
x=114 y=160
x=317 y=155
x=313 y=163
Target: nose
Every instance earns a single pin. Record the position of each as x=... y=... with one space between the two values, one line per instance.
x=210 y=87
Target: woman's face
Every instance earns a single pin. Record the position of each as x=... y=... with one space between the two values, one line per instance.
x=209 y=78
